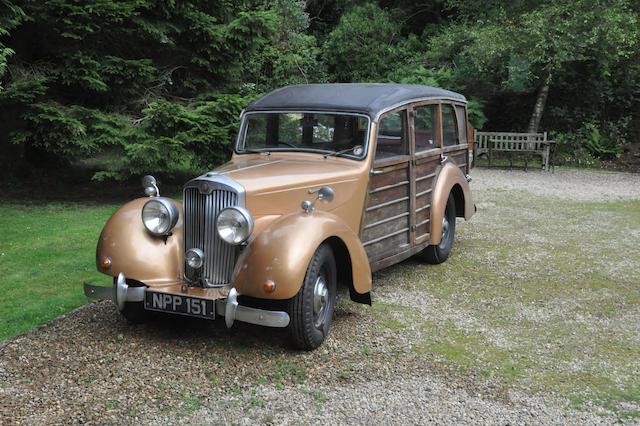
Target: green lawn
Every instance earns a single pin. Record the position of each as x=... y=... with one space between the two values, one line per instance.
x=47 y=250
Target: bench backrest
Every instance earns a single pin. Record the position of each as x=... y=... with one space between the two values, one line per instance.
x=510 y=141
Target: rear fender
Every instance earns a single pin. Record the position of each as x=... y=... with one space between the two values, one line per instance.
x=283 y=250
x=450 y=180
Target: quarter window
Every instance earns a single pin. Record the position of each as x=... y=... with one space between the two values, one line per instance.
x=425 y=123
x=461 y=115
x=449 y=126
x=392 y=135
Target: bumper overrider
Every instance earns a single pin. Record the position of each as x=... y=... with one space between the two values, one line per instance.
x=121 y=293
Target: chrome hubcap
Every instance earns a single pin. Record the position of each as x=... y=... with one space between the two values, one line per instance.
x=445 y=226
x=320 y=299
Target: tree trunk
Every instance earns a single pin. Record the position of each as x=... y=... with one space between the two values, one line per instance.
x=541 y=100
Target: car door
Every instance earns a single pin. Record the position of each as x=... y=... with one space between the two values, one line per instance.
x=454 y=135
x=386 y=224
x=427 y=141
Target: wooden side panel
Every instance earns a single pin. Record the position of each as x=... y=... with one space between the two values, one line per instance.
x=425 y=174
x=386 y=224
x=460 y=158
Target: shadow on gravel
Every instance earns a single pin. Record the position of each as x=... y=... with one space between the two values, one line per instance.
x=177 y=331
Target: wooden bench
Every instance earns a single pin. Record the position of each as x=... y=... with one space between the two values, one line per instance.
x=527 y=144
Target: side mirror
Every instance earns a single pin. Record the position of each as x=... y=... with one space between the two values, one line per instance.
x=325 y=195
x=150 y=186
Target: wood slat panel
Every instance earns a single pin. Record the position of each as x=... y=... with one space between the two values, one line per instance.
x=379 y=250
x=386 y=212
x=386 y=222
x=388 y=194
x=460 y=157
x=422 y=230
x=387 y=227
x=424 y=185
x=390 y=177
x=424 y=177
x=423 y=215
x=427 y=166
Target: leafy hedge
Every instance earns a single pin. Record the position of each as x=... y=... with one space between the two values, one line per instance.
x=150 y=85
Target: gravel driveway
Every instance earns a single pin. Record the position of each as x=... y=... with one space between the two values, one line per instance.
x=89 y=366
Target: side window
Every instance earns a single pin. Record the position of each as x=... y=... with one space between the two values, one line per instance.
x=425 y=123
x=392 y=135
x=461 y=115
x=449 y=126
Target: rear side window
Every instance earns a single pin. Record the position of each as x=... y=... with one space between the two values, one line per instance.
x=392 y=135
x=425 y=123
x=449 y=126
x=461 y=115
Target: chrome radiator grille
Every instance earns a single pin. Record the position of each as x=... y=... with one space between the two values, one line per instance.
x=200 y=212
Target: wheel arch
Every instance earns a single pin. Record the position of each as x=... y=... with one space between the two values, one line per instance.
x=283 y=250
x=458 y=197
x=450 y=180
x=344 y=269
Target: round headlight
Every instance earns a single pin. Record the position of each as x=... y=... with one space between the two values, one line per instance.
x=234 y=225
x=195 y=258
x=159 y=216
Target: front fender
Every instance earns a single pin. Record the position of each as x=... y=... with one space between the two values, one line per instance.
x=450 y=179
x=138 y=254
x=283 y=250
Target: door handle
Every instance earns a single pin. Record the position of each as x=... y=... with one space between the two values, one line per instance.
x=443 y=158
x=377 y=171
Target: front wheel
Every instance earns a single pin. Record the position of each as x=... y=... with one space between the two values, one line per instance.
x=435 y=254
x=311 y=310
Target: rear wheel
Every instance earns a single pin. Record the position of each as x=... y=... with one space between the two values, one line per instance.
x=435 y=254
x=311 y=310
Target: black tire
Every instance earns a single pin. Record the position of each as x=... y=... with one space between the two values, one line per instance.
x=134 y=312
x=439 y=253
x=309 y=324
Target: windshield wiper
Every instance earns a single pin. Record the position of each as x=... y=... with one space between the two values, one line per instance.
x=341 y=152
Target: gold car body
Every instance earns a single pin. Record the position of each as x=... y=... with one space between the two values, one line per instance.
x=358 y=223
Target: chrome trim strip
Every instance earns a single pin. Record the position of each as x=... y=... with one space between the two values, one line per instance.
x=219 y=181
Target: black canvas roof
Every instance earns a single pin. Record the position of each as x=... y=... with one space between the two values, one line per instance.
x=368 y=98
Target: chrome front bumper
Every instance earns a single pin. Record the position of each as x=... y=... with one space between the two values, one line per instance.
x=120 y=293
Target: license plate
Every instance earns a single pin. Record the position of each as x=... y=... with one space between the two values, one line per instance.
x=178 y=304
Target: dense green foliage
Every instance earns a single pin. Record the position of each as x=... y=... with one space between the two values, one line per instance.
x=146 y=86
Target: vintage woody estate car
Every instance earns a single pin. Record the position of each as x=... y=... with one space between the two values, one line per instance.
x=327 y=183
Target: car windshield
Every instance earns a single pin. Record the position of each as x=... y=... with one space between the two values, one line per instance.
x=327 y=133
